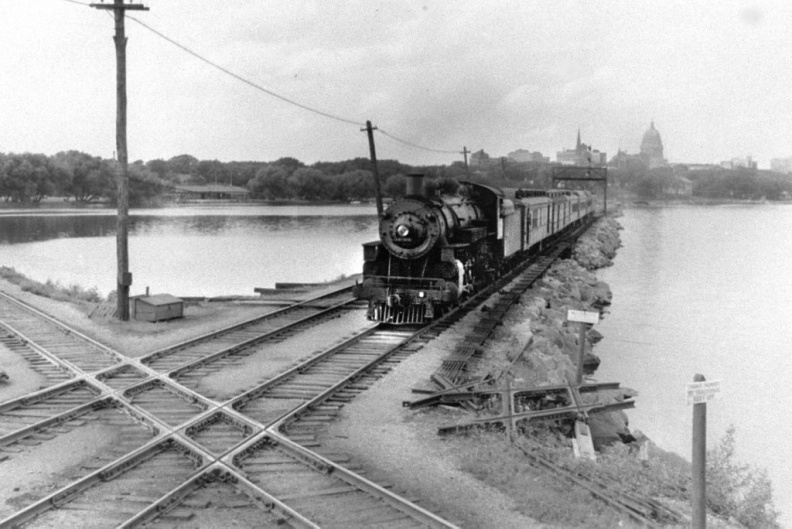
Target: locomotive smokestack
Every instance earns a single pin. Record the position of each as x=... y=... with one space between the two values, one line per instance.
x=415 y=185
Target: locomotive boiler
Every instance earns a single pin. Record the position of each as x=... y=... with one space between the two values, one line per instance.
x=433 y=251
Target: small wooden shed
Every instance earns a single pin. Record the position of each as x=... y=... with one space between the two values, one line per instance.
x=158 y=307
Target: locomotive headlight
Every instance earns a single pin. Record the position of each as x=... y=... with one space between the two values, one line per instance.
x=402 y=230
x=421 y=294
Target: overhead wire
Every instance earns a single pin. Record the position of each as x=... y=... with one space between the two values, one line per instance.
x=272 y=93
x=246 y=81
x=415 y=145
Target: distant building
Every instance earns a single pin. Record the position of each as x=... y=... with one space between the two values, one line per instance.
x=479 y=158
x=522 y=155
x=781 y=165
x=209 y=192
x=700 y=166
x=582 y=155
x=622 y=160
x=652 y=148
x=740 y=163
x=649 y=157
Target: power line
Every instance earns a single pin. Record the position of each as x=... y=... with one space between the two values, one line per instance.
x=270 y=92
x=246 y=81
x=414 y=145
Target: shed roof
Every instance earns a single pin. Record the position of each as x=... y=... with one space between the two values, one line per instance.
x=160 y=299
x=233 y=190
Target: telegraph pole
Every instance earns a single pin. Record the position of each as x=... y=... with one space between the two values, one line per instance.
x=370 y=130
x=122 y=177
x=464 y=153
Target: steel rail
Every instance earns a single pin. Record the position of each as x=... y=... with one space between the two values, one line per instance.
x=324 y=466
x=106 y=473
x=625 y=505
x=169 y=434
x=259 y=390
x=102 y=348
x=191 y=365
x=226 y=330
x=217 y=471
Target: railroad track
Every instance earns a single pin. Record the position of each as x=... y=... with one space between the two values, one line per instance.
x=158 y=449
x=249 y=333
x=167 y=452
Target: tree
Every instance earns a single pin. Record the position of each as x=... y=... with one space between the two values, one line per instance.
x=159 y=167
x=270 y=182
x=289 y=164
x=183 y=164
x=212 y=171
x=26 y=178
x=395 y=186
x=357 y=184
x=88 y=177
x=309 y=184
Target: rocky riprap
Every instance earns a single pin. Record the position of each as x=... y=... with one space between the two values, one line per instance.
x=547 y=345
x=598 y=246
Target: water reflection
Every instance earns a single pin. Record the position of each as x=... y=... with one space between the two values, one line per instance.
x=15 y=230
x=188 y=255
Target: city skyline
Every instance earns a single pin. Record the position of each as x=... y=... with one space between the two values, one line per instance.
x=498 y=77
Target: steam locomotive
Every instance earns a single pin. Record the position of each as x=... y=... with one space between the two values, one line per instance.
x=433 y=251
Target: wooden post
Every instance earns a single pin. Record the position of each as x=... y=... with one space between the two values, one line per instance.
x=370 y=130
x=698 y=494
x=124 y=277
x=581 y=352
x=464 y=153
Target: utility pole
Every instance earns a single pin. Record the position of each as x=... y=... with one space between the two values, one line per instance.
x=124 y=280
x=370 y=130
x=464 y=153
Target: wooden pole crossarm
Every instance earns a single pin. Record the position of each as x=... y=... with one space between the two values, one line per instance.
x=124 y=7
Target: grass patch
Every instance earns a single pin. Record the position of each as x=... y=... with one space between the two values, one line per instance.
x=735 y=492
x=51 y=289
x=495 y=461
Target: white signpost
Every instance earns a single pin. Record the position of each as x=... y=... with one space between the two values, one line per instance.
x=583 y=316
x=698 y=392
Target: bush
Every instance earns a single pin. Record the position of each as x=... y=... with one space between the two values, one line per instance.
x=736 y=490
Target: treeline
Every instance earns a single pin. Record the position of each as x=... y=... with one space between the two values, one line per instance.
x=29 y=178
x=715 y=183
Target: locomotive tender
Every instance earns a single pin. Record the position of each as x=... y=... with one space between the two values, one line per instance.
x=434 y=251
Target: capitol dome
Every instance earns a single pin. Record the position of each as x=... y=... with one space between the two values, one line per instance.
x=652 y=144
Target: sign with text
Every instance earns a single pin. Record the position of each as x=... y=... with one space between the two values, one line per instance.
x=583 y=316
x=701 y=392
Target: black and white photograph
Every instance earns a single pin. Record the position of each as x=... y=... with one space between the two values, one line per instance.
x=395 y=264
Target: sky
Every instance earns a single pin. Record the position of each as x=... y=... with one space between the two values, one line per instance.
x=715 y=76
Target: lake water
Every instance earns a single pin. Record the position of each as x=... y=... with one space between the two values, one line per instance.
x=706 y=290
x=190 y=251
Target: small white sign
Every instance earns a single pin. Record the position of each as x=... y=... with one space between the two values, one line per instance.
x=583 y=316
x=701 y=392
